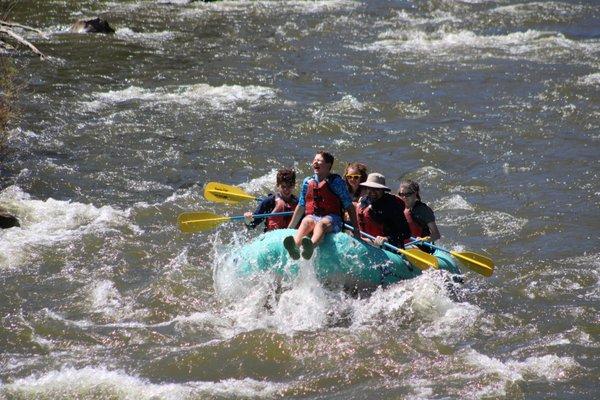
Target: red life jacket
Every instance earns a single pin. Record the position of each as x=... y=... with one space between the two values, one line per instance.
x=320 y=200
x=415 y=229
x=367 y=224
x=281 y=222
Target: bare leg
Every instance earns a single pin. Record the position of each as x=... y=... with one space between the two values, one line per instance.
x=306 y=227
x=323 y=227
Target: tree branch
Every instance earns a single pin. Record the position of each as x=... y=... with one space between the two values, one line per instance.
x=22 y=40
x=28 y=28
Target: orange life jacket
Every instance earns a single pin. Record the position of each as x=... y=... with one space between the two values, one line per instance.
x=320 y=200
x=367 y=224
x=415 y=229
x=279 y=221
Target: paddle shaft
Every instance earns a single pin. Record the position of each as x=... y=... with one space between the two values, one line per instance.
x=365 y=234
x=428 y=244
x=281 y=214
x=193 y=217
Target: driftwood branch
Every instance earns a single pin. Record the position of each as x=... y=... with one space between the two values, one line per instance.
x=21 y=40
x=25 y=27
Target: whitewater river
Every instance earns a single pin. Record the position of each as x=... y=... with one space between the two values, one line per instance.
x=493 y=106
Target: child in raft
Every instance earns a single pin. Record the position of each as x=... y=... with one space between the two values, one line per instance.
x=283 y=200
x=323 y=198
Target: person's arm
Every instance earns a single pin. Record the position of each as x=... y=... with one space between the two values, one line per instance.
x=353 y=219
x=298 y=213
x=339 y=188
x=300 y=208
x=265 y=207
x=434 y=232
x=426 y=215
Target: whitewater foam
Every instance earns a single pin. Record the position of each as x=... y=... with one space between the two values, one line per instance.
x=271 y=6
x=502 y=373
x=492 y=223
x=48 y=222
x=589 y=80
x=218 y=97
x=69 y=382
x=261 y=185
x=454 y=202
x=530 y=44
x=145 y=37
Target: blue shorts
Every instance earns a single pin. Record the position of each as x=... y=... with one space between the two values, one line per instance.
x=336 y=221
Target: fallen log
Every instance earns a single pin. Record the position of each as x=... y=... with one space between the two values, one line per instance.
x=24 y=27
x=6 y=28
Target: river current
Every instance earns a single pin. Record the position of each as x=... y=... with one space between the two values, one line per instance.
x=493 y=106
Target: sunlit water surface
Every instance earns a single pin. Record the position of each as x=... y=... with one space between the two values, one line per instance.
x=493 y=106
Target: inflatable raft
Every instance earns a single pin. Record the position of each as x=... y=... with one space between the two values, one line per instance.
x=338 y=260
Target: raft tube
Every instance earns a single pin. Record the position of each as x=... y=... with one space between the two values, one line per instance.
x=338 y=260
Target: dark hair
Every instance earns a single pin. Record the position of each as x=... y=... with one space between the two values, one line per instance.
x=286 y=175
x=413 y=186
x=328 y=157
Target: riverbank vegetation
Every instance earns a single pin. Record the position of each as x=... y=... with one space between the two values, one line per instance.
x=9 y=89
x=8 y=97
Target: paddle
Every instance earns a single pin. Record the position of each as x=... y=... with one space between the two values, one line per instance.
x=223 y=193
x=417 y=257
x=191 y=222
x=476 y=262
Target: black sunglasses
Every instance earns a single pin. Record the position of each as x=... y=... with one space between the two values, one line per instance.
x=405 y=194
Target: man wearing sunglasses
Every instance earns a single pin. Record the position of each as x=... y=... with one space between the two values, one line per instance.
x=380 y=214
x=323 y=198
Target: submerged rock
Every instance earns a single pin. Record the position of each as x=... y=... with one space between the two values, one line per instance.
x=96 y=25
x=7 y=220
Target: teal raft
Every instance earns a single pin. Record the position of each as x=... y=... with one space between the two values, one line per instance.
x=339 y=260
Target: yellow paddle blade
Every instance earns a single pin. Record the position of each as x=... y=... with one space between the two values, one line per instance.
x=478 y=263
x=190 y=222
x=221 y=193
x=419 y=258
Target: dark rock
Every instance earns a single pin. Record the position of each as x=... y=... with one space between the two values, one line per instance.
x=96 y=25
x=7 y=220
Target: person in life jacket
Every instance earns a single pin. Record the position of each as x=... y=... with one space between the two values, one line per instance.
x=323 y=198
x=283 y=200
x=419 y=215
x=380 y=214
x=355 y=174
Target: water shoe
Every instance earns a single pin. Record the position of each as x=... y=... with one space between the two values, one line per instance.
x=307 y=248
x=291 y=247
